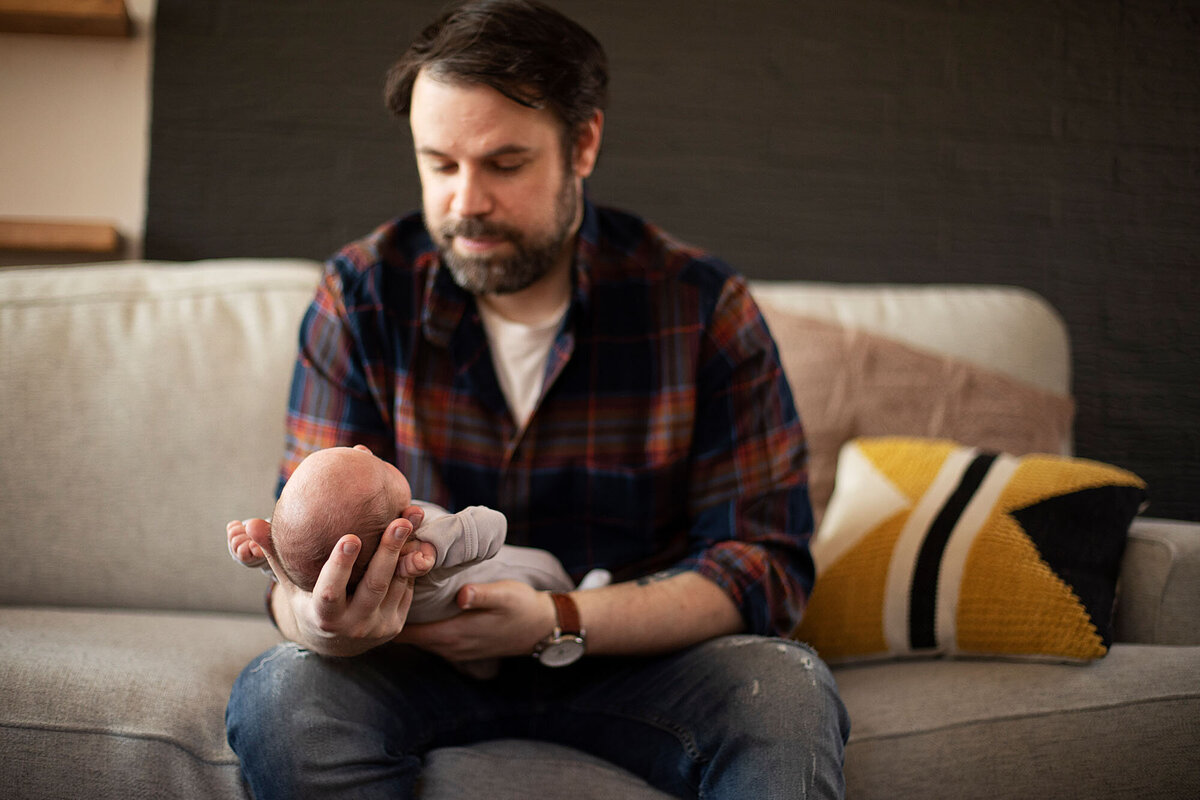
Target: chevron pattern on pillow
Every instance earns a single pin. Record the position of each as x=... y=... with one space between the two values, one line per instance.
x=932 y=548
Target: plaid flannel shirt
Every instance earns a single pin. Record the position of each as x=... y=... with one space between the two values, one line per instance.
x=665 y=436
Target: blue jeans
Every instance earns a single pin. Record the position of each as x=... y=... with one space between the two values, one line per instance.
x=736 y=717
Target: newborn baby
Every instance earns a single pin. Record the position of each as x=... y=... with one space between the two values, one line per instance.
x=343 y=490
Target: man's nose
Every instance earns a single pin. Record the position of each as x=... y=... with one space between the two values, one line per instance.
x=472 y=196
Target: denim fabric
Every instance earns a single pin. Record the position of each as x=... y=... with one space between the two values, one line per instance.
x=736 y=717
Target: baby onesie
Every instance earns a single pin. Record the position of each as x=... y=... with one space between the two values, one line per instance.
x=470 y=549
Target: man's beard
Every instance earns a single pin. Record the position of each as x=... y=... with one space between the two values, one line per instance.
x=532 y=258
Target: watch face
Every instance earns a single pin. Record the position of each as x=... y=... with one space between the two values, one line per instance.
x=561 y=652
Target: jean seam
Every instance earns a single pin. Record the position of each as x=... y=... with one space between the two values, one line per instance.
x=433 y=733
x=686 y=741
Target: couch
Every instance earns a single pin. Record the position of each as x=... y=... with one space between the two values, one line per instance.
x=141 y=407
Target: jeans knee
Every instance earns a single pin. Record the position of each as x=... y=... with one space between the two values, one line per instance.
x=268 y=682
x=775 y=676
x=297 y=720
x=771 y=723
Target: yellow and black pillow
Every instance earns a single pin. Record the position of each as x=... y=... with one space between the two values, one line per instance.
x=931 y=548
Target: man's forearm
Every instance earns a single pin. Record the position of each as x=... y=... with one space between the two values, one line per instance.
x=656 y=616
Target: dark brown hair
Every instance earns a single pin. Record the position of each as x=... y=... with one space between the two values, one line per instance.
x=528 y=52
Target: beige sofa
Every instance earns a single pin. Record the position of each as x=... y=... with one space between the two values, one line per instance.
x=141 y=406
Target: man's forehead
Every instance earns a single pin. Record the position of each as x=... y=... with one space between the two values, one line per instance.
x=447 y=116
x=502 y=150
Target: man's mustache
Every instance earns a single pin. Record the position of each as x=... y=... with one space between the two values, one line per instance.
x=478 y=229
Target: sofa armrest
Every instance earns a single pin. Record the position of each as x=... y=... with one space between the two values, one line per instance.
x=1158 y=599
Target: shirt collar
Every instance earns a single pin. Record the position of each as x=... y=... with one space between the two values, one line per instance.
x=586 y=246
x=445 y=302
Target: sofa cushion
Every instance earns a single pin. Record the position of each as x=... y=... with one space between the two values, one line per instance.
x=933 y=548
x=1159 y=592
x=136 y=702
x=1006 y=329
x=142 y=407
x=850 y=382
x=1123 y=726
x=499 y=769
x=122 y=704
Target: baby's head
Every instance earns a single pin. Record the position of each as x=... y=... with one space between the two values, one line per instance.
x=333 y=492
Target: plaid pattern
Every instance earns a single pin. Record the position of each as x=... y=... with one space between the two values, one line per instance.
x=665 y=436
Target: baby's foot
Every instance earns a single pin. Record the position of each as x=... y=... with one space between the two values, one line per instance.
x=243 y=549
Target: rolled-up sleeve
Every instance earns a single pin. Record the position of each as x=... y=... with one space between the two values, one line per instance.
x=751 y=519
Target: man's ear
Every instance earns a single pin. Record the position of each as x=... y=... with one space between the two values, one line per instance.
x=587 y=145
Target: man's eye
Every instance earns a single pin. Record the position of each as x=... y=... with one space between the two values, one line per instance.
x=508 y=166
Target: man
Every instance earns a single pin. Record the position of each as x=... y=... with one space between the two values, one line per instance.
x=616 y=395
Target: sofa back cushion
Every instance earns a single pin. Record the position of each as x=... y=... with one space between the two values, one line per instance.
x=141 y=407
x=987 y=366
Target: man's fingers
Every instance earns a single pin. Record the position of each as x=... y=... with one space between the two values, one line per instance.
x=381 y=571
x=488 y=596
x=415 y=515
x=329 y=593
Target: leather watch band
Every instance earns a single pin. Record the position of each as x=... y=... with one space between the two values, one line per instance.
x=567 y=612
x=567 y=643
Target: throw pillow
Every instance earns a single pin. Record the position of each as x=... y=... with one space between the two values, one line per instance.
x=930 y=548
x=848 y=382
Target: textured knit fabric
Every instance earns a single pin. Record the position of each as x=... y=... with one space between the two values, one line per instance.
x=665 y=435
x=470 y=549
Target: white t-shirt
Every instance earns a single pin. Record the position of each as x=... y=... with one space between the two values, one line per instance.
x=520 y=353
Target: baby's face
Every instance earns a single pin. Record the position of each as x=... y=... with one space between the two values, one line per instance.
x=333 y=492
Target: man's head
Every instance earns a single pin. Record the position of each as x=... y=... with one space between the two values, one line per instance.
x=505 y=99
x=333 y=492
x=528 y=52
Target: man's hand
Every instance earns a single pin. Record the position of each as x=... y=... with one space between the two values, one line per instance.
x=505 y=618
x=329 y=622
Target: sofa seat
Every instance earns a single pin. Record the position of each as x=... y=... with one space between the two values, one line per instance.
x=1011 y=731
x=131 y=703
x=91 y=683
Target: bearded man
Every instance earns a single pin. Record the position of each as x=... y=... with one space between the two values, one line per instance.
x=616 y=394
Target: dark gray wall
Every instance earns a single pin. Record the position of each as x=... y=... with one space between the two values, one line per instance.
x=1044 y=143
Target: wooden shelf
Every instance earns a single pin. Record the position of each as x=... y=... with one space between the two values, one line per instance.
x=57 y=236
x=68 y=17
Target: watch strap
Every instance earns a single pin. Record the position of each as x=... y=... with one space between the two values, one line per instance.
x=567 y=613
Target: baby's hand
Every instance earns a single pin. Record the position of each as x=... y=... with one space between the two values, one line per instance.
x=242 y=547
x=416 y=559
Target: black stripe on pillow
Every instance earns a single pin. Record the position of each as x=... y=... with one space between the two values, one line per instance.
x=922 y=607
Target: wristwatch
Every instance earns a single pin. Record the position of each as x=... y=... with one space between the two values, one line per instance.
x=568 y=641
